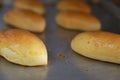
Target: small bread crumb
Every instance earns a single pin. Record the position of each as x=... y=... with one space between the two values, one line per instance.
x=61 y=55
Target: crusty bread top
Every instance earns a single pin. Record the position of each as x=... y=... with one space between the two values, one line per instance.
x=97 y=44
x=22 y=47
x=77 y=15
x=25 y=19
x=22 y=42
x=104 y=46
x=102 y=34
x=78 y=21
x=26 y=14
x=104 y=39
x=33 y=5
x=74 y=5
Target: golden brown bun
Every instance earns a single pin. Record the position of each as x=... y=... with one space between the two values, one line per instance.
x=76 y=5
x=78 y=21
x=104 y=46
x=25 y=20
x=31 y=5
x=22 y=47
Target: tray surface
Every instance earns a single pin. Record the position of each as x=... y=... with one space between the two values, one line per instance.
x=57 y=40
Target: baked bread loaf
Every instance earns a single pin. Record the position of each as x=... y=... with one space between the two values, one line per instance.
x=32 y=5
x=104 y=46
x=25 y=20
x=73 y=5
x=78 y=21
x=22 y=47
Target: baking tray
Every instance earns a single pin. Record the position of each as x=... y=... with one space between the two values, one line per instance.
x=57 y=40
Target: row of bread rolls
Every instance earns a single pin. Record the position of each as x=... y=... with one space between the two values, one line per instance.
x=75 y=15
x=21 y=46
x=27 y=14
x=24 y=48
x=95 y=44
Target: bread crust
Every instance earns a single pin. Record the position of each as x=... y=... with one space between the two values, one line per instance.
x=104 y=46
x=22 y=47
x=78 y=21
x=32 y=5
x=25 y=20
x=73 y=5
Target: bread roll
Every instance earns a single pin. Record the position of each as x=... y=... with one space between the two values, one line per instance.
x=104 y=46
x=32 y=5
x=25 y=20
x=78 y=21
x=22 y=47
x=75 y=5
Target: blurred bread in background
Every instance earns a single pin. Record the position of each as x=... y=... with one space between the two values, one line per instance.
x=73 y=5
x=32 y=5
x=78 y=21
x=25 y=20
